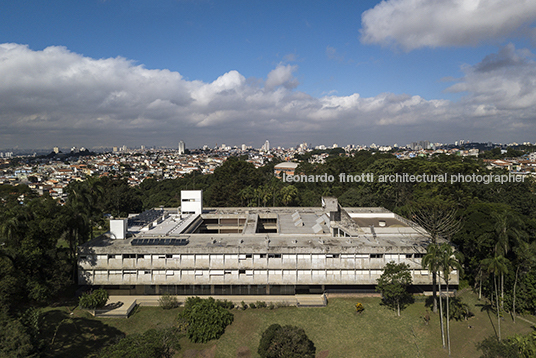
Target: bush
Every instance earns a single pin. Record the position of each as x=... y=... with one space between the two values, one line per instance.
x=260 y=304
x=95 y=299
x=252 y=305
x=458 y=309
x=286 y=341
x=493 y=348
x=168 y=302
x=226 y=304
x=244 y=305
x=359 y=307
x=271 y=306
x=204 y=319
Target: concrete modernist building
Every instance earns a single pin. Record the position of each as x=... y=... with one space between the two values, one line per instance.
x=253 y=251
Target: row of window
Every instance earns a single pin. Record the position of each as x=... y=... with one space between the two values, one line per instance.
x=257 y=256
x=250 y=272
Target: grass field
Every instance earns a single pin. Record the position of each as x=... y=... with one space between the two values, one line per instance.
x=336 y=330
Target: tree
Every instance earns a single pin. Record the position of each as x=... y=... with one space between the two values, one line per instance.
x=432 y=262
x=436 y=220
x=507 y=227
x=449 y=260
x=14 y=338
x=287 y=341
x=393 y=283
x=288 y=194
x=95 y=299
x=497 y=265
x=204 y=319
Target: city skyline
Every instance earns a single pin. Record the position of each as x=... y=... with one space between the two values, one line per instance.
x=366 y=72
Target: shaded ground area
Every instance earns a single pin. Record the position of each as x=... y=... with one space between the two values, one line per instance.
x=68 y=335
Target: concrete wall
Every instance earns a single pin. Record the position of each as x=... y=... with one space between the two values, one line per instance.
x=240 y=269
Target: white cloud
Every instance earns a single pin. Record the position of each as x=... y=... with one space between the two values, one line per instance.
x=435 y=23
x=505 y=81
x=56 y=97
x=282 y=76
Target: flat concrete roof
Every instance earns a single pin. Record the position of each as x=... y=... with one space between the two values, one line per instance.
x=368 y=236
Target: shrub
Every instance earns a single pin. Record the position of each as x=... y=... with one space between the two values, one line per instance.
x=359 y=307
x=168 y=302
x=244 y=305
x=459 y=310
x=205 y=319
x=95 y=299
x=226 y=304
x=286 y=341
x=271 y=306
x=260 y=304
x=252 y=305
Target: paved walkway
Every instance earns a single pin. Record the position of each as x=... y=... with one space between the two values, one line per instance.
x=121 y=306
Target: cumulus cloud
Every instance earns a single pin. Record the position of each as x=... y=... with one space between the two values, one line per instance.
x=413 y=24
x=502 y=82
x=57 y=97
x=282 y=76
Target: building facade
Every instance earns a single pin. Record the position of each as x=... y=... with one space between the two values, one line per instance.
x=256 y=251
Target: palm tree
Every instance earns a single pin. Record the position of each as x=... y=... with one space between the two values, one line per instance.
x=496 y=265
x=507 y=228
x=432 y=261
x=526 y=260
x=437 y=220
x=288 y=194
x=449 y=260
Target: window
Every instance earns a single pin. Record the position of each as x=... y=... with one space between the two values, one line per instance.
x=129 y=256
x=241 y=272
x=376 y=256
x=262 y=256
x=274 y=256
x=419 y=256
x=409 y=256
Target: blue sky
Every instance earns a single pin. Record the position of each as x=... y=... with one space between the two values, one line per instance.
x=102 y=73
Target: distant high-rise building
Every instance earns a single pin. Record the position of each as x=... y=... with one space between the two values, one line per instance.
x=142 y=147
x=56 y=150
x=114 y=149
x=244 y=147
x=266 y=146
x=181 y=147
x=124 y=148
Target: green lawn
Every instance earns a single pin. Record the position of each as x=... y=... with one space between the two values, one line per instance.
x=336 y=329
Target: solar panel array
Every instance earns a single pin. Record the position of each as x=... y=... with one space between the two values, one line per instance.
x=159 y=242
x=145 y=217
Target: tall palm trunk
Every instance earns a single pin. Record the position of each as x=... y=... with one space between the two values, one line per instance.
x=497 y=303
x=514 y=298
x=434 y=290
x=502 y=291
x=441 y=314
x=448 y=318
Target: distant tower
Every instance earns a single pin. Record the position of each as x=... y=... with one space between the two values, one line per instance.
x=56 y=150
x=181 y=147
x=266 y=146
